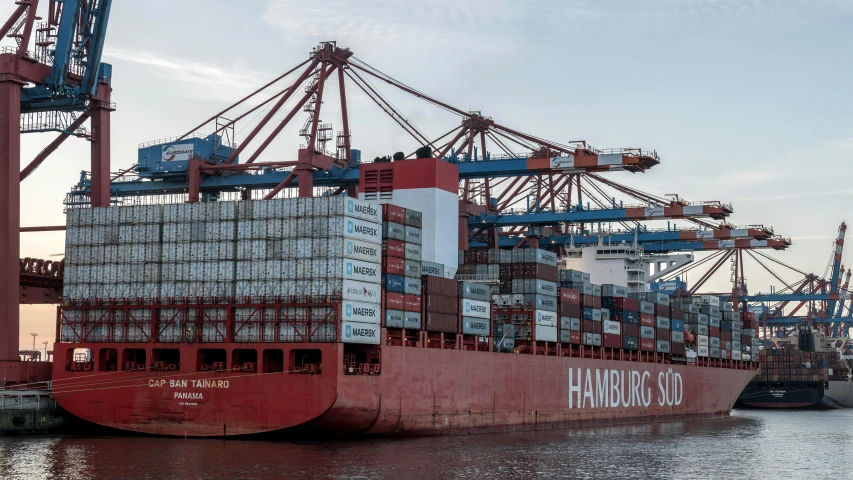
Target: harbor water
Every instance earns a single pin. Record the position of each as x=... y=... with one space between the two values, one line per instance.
x=750 y=443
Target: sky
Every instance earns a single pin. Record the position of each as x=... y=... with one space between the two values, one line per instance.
x=746 y=101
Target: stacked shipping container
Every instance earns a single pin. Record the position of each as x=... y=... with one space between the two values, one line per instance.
x=623 y=319
x=295 y=248
x=369 y=259
x=570 y=313
x=475 y=308
x=401 y=267
x=527 y=293
x=440 y=305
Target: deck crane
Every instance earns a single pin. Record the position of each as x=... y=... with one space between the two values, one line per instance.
x=51 y=80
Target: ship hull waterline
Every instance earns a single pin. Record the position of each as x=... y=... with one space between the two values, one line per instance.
x=419 y=392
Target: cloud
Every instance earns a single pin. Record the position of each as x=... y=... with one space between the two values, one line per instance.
x=750 y=177
x=812 y=237
x=443 y=22
x=796 y=195
x=200 y=79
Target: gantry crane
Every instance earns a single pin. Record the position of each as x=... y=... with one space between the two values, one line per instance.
x=491 y=185
x=51 y=80
x=821 y=297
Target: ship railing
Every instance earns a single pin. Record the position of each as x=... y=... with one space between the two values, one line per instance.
x=26 y=400
x=481 y=278
x=631 y=152
x=711 y=203
x=171 y=139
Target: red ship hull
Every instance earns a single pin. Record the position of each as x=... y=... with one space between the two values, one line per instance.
x=420 y=391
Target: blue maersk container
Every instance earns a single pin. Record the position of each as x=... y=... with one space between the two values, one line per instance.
x=164 y=158
x=394 y=283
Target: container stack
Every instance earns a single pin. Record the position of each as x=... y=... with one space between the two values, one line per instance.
x=676 y=334
x=504 y=338
x=622 y=318
x=401 y=267
x=440 y=304
x=591 y=320
x=476 y=309
x=726 y=324
x=789 y=363
x=533 y=274
x=655 y=322
x=569 y=311
x=750 y=344
x=737 y=336
x=663 y=324
x=476 y=263
x=526 y=297
x=412 y=301
x=113 y=253
x=647 y=325
x=287 y=248
x=710 y=306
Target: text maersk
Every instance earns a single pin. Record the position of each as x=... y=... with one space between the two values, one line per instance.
x=360 y=333
x=365 y=230
x=623 y=388
x=361 y=270
x=475 y=308
x=478 y=291
x=358 y=270
x=364 y=312
x=364 y=209
x=366 y=251
x=362 y=250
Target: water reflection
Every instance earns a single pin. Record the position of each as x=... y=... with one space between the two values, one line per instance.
x=748 y=444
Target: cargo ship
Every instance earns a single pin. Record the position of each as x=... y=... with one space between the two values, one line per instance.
x=343 y=315
x=804 y=370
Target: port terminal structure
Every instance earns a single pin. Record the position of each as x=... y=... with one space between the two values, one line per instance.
x=516 y=189
x=51 y=80
x=825 y=299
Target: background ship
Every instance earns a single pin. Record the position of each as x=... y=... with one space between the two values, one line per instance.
x=804 y=370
